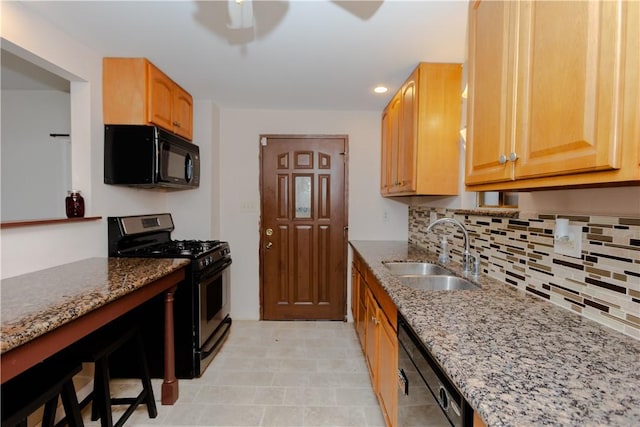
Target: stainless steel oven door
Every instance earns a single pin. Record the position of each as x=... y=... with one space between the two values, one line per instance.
x=213 y=294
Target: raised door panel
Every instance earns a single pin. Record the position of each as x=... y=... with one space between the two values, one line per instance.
x=490 y=93
x=355 y=278
x=408 y=135
x=394 y=142
x=388 y=371
x=124 y=91
x=160 y=100
x=569 y=87
x=371 y=333
x=361 y=321
x=183 y=112
x=385 y=155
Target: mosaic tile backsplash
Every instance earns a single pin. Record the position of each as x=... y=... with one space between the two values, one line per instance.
x=602 y=285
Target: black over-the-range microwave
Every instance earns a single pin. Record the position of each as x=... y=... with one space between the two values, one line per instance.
x=149 y=157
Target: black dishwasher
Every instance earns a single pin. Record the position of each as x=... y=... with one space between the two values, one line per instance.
x=426 y=397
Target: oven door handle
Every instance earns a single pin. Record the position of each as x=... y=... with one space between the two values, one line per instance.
x=226 y=323
x=218 y=269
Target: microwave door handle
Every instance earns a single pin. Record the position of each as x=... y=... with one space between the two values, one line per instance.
x=188 y=167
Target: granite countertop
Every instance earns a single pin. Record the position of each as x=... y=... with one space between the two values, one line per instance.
x=517 y=359
x=35 y=303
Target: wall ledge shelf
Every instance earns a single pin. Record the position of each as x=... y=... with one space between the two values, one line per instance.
x=48 y=221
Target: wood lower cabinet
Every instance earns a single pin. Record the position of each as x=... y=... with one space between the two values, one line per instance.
x=420 y=139
x=358 y=302
x=376 y=326
x=137 y=92
x=553 y=89
x=388 y=370
x=477 y=421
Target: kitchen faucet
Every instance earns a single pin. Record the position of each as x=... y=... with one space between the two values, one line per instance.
x=470 y=263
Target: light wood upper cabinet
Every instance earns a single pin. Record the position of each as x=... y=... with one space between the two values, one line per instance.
x=183 y=112
x=390 y=127
x=549 y=89
x=136 y=92
x=490 y=92
x=420 y=140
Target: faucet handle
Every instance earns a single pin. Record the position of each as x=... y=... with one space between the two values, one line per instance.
x=474 y=268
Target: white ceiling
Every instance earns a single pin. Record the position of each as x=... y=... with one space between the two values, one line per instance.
x=300 y=54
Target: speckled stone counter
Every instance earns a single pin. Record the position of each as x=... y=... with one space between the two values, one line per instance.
x=517 y=359
x=36 y=303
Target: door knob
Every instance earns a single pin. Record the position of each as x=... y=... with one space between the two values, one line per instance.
x=268 y=245
x=268 y=231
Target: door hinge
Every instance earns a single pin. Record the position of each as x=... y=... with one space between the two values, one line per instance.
x=263 y=141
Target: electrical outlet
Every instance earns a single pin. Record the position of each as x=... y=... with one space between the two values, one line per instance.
x=385 y=216
x=433 y=216
x=570 y=245
x=248 y=206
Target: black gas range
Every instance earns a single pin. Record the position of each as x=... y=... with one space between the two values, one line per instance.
x=201 y=304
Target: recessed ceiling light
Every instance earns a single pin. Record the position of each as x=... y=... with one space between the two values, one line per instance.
x=380 y=89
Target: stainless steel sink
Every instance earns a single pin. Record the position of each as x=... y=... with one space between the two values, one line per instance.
x=415 y=269
x=438 y=283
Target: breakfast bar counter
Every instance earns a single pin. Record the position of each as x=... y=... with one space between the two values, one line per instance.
x=517 y=359
x=45 y=311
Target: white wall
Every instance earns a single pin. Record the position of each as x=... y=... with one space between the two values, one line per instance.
x=613 y=201
x=36 y=172
x=31 y=248
x=240 y=196
x=195 y=212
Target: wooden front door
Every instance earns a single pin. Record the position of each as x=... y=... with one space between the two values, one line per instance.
x=303 y=227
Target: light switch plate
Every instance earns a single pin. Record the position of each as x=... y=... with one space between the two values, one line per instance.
x=571 y=246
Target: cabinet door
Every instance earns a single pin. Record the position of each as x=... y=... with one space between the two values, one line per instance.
x=393 y=144
x=568 y=88
x=388 y=370
x=182 y=112
x=160 y=98
x=372 y=339
x=385 y=155
x=361 y=320
x=408 y=135
x=490 y=93
x=354 y=292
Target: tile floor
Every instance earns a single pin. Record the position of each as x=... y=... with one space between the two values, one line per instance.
x=273 y=374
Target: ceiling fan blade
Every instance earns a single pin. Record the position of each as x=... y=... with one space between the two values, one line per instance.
x=362 y=9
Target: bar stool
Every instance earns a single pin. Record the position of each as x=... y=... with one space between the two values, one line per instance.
x=96 y=349
x=41 y=385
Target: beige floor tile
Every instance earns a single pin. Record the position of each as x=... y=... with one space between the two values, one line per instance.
x=231 y=415
x=334 y=416
x=310 y=396
x=283 y=416
x=278 y=374
x=269 y=396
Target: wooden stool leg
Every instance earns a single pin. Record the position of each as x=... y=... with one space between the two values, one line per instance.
x=49 y=415
x=102 y=395
x=71 y=405
x=146 y=378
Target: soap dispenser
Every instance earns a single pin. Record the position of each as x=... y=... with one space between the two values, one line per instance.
x=444 y=251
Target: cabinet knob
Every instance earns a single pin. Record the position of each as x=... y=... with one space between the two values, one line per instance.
x=513 y=157
x=502 y=159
